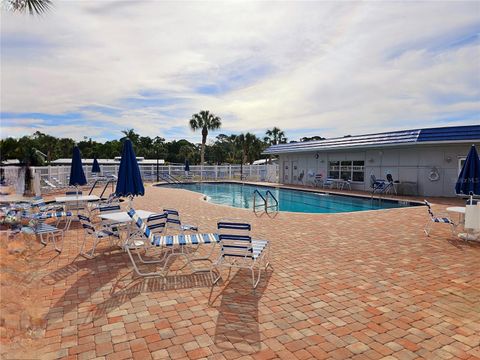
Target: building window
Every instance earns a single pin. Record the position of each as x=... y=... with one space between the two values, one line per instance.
x=461 y=161
x=358 y=171
x=334 y=169
x=347 y=170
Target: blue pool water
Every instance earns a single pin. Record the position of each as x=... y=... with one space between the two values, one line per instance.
x=241 y=196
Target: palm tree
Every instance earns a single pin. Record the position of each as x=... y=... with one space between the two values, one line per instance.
x=132 y=135
x=275 y=136
x=205 y=121
x=244 y=142
x=32 y=6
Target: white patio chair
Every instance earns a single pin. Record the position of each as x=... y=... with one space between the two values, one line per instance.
x=239 y=250
x=437 y=219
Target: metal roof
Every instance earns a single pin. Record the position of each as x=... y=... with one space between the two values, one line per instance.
x=452 y=134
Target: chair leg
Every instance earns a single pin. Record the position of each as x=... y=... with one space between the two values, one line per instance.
x=214 y=279
x=82 y=249
x=255 y=283
x=44 y=243
x=427 y=228
x=58 y=249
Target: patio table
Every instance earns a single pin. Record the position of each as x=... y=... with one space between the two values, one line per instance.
x=74 y=198
x=460 y=210
x=122 y=218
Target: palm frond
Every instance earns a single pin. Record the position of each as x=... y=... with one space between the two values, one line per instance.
x=32 y=6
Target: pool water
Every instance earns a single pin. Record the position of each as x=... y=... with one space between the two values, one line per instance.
x=241 y=196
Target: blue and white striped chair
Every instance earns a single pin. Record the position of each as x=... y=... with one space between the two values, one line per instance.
x=174 y=223
x=239 y=250
x=98 y=235
x=39 y=203
x=437 y=219
x=46 y=231
x=58 y=216
x=175 y=243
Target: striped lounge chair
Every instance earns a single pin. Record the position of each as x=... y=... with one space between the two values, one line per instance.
x=176 y=244
x=39 y=204
x=46 y=231
x=437 y=219
x=174 y=222
x=239 y=250
x=98 y=235
x=58 y=216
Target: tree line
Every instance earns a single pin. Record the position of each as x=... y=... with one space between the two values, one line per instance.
x=40 y=149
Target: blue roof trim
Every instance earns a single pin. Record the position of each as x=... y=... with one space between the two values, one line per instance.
x=453 y=133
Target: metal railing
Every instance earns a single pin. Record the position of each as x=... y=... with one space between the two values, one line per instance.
x=274 y=204
x=255 y=205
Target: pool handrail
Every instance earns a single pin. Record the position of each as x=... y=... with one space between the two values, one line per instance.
x=275 y=205
x=255 y=206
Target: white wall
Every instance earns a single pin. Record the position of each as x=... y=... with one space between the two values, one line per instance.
x=406 y=164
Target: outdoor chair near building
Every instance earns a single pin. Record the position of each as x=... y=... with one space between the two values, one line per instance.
x=320 y=181
x=239 y=250
x=380 y=186
x=437 y=219
x=90 y=230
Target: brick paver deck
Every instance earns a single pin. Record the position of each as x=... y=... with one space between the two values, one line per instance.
x=366 y=285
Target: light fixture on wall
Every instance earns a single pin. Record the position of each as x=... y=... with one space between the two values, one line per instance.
x=317 y=155
x=448 y=159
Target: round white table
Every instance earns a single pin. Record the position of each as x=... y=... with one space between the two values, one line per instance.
x=460 y=210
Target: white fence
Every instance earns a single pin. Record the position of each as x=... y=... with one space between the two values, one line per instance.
x=59 y=175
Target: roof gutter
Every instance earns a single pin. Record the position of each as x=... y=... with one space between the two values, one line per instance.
x=340 y=148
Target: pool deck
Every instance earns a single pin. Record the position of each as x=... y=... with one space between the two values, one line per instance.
x=362 y=285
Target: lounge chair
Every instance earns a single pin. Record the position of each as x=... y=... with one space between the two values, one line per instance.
x=58 y=216
x=174 y=222
x=437 y=219
x=45 y=231
x=98 y=235
x=238 y=250
x=175 y=243
x=39 y=204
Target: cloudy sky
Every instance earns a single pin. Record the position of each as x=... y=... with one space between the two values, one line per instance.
x=94 y=68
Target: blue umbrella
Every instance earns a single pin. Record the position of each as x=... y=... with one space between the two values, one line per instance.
x=95 y=166
x=129 y=181
x=187 y=165
x=469 y=179
x=77 y=176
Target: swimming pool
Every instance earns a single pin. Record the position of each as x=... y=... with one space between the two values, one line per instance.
x=241 y=196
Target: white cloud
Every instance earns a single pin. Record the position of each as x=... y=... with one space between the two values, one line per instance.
x=337 y=67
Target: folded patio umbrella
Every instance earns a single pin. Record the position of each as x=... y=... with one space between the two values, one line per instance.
x=129 y=181
x=187 y=165
x=468 y=182
x=95 y=166
x=77 y=176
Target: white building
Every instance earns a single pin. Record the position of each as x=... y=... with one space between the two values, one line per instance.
x=425 y=162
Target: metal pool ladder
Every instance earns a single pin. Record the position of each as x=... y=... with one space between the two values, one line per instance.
x=263 y=201
x=274 y=200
